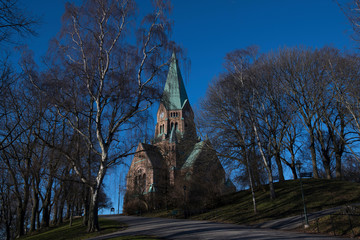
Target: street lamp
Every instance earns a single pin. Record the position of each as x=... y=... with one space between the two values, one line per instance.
x=298 y=166
x=184 y=201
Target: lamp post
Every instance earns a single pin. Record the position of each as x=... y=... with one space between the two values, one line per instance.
x=119 y=199
x=298 y=166
x=184 y=201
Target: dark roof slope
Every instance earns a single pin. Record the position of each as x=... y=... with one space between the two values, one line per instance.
x=154 y=154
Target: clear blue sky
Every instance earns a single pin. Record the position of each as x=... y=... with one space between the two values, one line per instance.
x=208 y=29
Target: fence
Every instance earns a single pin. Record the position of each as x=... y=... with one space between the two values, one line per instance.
x=345 y=222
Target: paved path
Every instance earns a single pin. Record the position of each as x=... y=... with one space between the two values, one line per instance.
x=188 y=229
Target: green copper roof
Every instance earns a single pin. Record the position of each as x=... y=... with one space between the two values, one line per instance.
x=190 y=161
x=174 y=95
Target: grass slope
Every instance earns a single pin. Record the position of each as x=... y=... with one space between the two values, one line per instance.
x=319 y=194
x=237 y=208
x=76 y=231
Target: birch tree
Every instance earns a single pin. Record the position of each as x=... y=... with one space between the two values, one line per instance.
x=105 y=73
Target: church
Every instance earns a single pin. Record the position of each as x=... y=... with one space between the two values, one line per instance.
x=176 y=169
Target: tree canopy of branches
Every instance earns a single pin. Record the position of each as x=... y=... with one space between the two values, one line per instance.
x=282 y=106
x=103 y=76
x=14 y=20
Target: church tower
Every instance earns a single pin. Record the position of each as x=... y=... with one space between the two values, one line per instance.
x=174 y=112
x=175 y=128
x=175 y=158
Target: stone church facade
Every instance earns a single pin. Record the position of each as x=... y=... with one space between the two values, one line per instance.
x=177 y=168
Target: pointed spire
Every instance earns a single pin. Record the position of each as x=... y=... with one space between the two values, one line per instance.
x=174 y=95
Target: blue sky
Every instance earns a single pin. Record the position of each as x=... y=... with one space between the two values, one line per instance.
x=208 y=29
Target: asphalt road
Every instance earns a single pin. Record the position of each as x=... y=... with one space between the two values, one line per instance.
x=187 y=229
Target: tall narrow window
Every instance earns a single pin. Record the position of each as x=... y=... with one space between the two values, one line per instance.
x=176 y=126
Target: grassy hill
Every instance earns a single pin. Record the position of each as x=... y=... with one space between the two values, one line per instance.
x=237 y=208
x=320 y=194
x=77 y=231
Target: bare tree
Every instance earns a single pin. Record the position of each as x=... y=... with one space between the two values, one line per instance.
x=351 y=10
x=7 y=206
x=102 y=82
x=255 y=80
x=301 y=72
x=228 y=114
x=14 y=19
x=344 y=121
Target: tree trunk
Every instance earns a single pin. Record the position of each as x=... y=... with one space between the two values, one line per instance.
x=71 y=217
x=313 y=155
x=56 y=209
x=45 y=217
x=338 y=170
x=271 y=188
x=251 y=181
x=38 y=220
x=266 y=163
x=8 y=214
x=21 y=211
x=86 y=206
x=8 y=231
x=293 y=171
x=326 y=164
x=292 y=165
x=68 y=209
x=61 y=211
x=46 y=204
x=34 y=211
x=93 y=223
x=20 y=221
x=279 y=165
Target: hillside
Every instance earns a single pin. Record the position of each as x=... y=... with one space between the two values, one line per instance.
x=237 y=208
x=319 y=194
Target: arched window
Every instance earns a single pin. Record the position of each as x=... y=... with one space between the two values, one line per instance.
x=176 y=126
x=172 y=125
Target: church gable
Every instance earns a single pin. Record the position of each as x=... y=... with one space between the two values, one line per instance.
x=204 y=162
x=193 y=157
x=145 y=169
